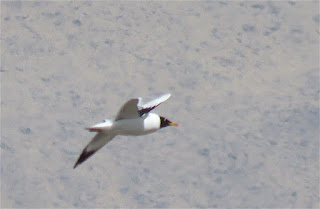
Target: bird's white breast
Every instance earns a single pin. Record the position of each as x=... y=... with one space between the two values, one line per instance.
x=152 y=122
x=137 y=126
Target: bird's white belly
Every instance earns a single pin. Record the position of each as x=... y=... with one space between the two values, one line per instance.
x=137 y=126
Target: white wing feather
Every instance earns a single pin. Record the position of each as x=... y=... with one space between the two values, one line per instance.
x=128 y=110
x=98 y=141
x=145 y=103
x=135 y=108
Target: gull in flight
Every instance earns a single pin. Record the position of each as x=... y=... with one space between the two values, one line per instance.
x=134 y=118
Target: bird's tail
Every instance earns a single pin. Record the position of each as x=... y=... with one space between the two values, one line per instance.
x=103 y=126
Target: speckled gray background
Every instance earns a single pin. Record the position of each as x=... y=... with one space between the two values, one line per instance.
x=244 y=78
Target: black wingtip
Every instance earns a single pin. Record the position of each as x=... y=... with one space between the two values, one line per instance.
x=75 y=165
x=83 y=157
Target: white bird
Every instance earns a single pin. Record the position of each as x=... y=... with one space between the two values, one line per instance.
x=134 y=118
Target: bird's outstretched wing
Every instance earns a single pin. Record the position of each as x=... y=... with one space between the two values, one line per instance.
x=98 y=141
x=128 y=110
x=145 y=105
x=135 y=108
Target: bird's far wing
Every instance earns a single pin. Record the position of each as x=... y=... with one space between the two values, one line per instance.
x=145 y=105
x=98 y=141
x=128 y=110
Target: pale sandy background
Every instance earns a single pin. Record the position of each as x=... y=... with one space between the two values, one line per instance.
x=245 y=83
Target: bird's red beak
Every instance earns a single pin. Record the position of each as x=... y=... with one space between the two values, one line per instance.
x=173 y=124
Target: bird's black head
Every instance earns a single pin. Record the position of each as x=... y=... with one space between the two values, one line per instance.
x=165 y=122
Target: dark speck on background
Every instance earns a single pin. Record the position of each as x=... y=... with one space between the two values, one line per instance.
x=25 y=130
x=204 y=152
x=140 y=198
x=316 y=18
x=51 y=15
x=146 y=170
x=6 y=147
x=230 y=155
x=274 y=10
x=248 y=28
x=124 y=190
x=45 y=80
x=304 y=143
x=273 y=142
x=292 y=3
x=19 y=69
x=274 y=28
x=162 y=205
x=109 y=42
x=77 y=22
x=258 y=6
x=218 y=180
